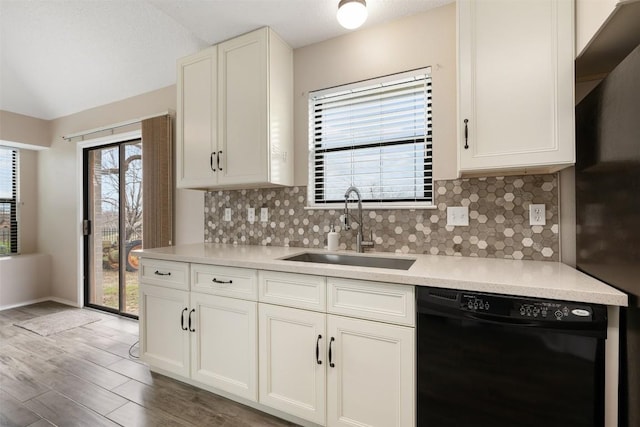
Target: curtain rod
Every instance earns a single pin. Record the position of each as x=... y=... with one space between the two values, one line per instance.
x=84 y=133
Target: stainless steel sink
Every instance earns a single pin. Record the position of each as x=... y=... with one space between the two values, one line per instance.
x=354 y=260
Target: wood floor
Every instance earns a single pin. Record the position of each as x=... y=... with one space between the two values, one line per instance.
x=85 y=377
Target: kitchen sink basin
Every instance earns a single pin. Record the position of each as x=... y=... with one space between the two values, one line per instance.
x=354 y=260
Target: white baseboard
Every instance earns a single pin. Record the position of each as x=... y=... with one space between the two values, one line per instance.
x=36 y=301
x=23 y=303
x=65 y=302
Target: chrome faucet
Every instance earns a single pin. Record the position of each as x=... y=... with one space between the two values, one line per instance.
x=360 y=243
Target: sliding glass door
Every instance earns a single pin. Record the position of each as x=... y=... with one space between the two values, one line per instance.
x=112 y=226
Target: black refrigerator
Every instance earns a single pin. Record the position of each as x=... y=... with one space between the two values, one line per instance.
x=608 y=207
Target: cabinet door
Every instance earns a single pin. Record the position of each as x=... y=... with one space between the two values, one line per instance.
x=243 y=108
x=371 y=375
x=224 y=344
x=292 y=361
x=164 y=340
x=196 y=133
x=516 y=85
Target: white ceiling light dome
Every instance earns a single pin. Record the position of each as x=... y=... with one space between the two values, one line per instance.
x=352 y=13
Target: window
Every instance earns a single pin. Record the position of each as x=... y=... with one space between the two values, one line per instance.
x=375 y=135
x=8 y=201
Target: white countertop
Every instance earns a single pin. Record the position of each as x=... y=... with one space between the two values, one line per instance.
x=542 y=279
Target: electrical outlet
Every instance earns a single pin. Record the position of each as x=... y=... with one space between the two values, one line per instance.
x=458 y=215
x=264 y=214
x=227 y=214
x=537 y=215
x=251 y=215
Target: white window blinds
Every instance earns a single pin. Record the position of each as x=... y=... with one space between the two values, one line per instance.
x=375 y=135
x=8 y=201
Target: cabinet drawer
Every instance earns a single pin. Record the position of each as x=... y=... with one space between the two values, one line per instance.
x=170 y=274
x=226 y=281
x=385 y=302
x=293 y=290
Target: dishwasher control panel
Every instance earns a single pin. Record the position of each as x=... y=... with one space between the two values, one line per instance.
x=521 y=308
x=552 y=311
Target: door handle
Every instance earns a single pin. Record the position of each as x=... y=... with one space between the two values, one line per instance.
x=190 y=313
x=219 y=155
x=466 y=134
x=333 y=365
x=182 y=319
x=214 y=280
x=318 y=361
x=213 y=153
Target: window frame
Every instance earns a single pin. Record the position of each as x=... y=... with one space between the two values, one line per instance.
x=14 y=240
x=361 y=86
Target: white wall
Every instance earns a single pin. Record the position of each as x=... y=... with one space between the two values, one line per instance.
x=24 y=279
x=28 y=135
x=590 y=15
x=23 y=129
x=426 y=39
x=60 y=177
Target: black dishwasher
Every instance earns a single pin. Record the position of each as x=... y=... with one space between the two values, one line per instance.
x=489 y=360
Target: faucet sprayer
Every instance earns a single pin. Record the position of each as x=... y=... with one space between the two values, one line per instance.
x=360 y=243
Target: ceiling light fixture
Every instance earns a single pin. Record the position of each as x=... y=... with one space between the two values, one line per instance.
x=352 y=13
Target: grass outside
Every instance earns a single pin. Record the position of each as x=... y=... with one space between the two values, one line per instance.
x=110 y=290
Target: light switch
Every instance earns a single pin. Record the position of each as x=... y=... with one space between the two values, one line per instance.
x=251 y=215
x=264 y=214
x=227 y=214
x=458 y=215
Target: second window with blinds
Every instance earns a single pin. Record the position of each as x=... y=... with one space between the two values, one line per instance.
x=375 y=135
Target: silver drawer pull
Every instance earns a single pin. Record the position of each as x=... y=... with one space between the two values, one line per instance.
x=159 y=273
x=221 y=281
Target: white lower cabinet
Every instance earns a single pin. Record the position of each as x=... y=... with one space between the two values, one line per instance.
x=292 y=361
x=224 y=344
x=338 y=369
x=371 y=375
x=205 y=336
x=163 y=341
x=365 y=369
x=334 y=352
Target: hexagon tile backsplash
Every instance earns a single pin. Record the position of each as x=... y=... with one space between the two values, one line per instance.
x=498 y=220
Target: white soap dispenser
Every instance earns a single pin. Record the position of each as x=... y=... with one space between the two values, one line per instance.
x=333 y=239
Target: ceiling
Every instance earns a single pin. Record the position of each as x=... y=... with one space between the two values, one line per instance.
x=59 y=57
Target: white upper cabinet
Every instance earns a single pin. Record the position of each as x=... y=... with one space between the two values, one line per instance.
x=196 y=133
x=235 y=114
x=516 y=86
